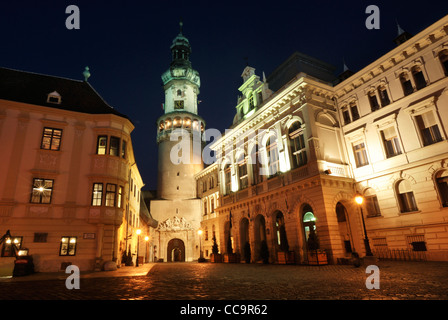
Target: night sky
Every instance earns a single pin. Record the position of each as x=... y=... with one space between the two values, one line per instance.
x=126 y=45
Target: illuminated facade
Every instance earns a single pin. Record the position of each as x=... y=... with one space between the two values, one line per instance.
x=69 y=187
x=380 y=133
x=177 y=208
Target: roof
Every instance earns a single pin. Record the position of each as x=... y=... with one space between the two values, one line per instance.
x=33 y=88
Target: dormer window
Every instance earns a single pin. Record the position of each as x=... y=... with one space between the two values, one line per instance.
x=54 y=97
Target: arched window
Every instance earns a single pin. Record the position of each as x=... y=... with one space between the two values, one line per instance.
x=242 y=171
x=187 y=123
x=177 y=123
x=373 y=101
x=168 y=124
x=442 y=187
x=384 y=97
x=161 y=126
x=419 y=78
x=282 y=240
x=309 y=221
x=443 y=57
x=406 y=197
x=406 y=84
x=297 y=145
x=272 y=155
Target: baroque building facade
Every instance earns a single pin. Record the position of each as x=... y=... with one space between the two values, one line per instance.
x=69 y=183
x=299 y=154
x=179 y=137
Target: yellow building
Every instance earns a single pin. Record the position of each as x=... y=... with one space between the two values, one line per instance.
x=69 y=185
x=302 y=149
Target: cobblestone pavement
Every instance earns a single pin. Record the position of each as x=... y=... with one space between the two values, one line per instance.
x=207 y=281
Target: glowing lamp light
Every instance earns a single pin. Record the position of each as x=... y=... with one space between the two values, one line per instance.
x=139 y=231
x=40 y=189
x=359 y=199
x=72 y=240
x=200 y=232
x=146 y=238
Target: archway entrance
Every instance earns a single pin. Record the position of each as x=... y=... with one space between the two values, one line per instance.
x=175 y=251
x=259 y=234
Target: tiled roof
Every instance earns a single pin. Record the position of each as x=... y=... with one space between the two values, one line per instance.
x=33 y=88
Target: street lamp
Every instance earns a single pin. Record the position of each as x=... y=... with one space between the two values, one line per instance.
x=146 y=248
x=359 y=200
x=138 y=240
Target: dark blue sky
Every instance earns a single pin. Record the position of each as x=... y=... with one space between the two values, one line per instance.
x=126 y=44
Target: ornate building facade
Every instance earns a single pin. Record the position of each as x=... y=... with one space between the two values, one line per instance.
x=69 y=184
x=298 y=155
x=179 y=137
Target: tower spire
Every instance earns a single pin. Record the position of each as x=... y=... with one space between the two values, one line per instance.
x=181 y=24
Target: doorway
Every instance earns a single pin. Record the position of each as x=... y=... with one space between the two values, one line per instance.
x=175 y=251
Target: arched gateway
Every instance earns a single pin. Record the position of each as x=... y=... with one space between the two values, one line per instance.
x=175 y=251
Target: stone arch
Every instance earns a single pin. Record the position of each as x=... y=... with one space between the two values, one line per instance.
x=325 y=118
x=175 y=250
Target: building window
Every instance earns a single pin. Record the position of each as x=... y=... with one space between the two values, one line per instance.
x=272 y=155
x=354 y=111
x=114 y=146
x=212 y=205
x=123 y=149
x=360 y=153
x=419 y=78
x=242 y=171
x=406 y=84
x=373 y=101
x=227 y=178
x=51 y=139
x=42 y=190
x=11 y=246
x=384 y=96
x=406 y=197
x=428 y=128
x=251 y=102
x=442 y=187
x=443 y=57
x=68 y=246
x=371 y=202
x=346 y=115
x=40 y=237
x=297 y=145
x=205 y=207
x=391 y=142
x=417 y=242
x=256 y=165
x=97 y=194
x=111 y=191
x=101 y=145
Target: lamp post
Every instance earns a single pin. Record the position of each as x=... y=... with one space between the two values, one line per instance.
x=138 y=240
x=147 y=249
x=359 y=200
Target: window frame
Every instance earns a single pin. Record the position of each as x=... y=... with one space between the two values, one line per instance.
x=41 y=192
x=364 y=153
x=108 y=200
x=98 y=145
x=68 y=254
x=52 y=139
x=93 y=203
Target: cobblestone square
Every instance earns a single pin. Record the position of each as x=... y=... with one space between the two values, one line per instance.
x=208 y=281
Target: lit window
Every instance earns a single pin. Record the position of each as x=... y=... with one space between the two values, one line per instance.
x=428 y=128
x=97 y=194
x=256 y=165
x=114 y=146
x=68 y=246
x=11 y=246
x=391 y=142
x=101 y=145
x=111 y=190
x=272 y=155
x=51 y=139
x=360 y=153
x=297 y=145
x=42 y=190
x=406 y=197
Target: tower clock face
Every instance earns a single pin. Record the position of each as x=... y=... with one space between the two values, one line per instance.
x=179 y=104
